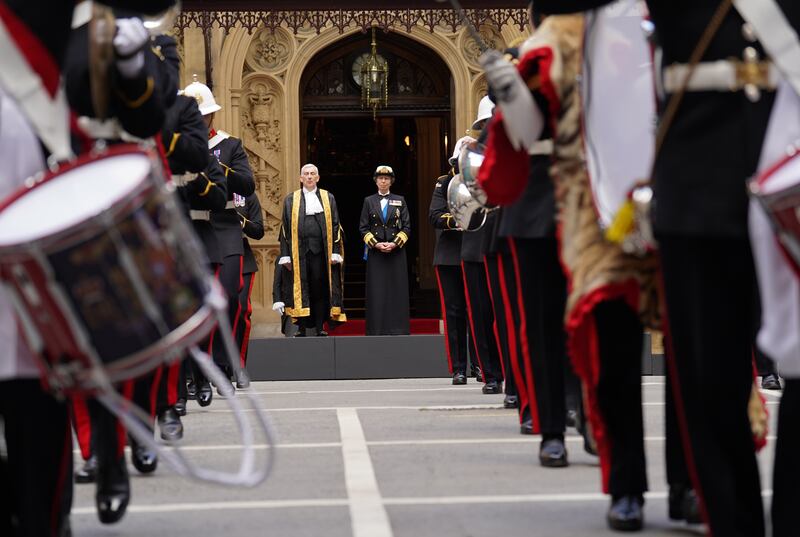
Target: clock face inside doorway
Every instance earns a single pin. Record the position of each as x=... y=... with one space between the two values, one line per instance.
x=358 y=64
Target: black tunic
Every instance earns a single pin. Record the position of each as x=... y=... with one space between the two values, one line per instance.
x=232 y=158
x=252 y=227
x=448 y=236
x=184 y=135
x=715 y=140
x=387 y=273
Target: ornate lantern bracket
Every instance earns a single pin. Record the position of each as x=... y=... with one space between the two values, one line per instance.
x=374 y=81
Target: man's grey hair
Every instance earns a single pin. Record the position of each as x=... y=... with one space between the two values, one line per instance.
x=303 y=169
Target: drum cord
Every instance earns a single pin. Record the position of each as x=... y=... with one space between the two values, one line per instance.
x=247 y=475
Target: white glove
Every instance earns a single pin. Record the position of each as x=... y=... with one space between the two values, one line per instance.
x=129 y=41
x=279 y=307
x=284 y=260
x=522 y=119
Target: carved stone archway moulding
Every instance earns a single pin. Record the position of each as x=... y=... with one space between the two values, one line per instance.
x=257 y=76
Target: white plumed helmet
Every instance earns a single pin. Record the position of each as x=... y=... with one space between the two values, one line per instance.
x=485 y=109
x=203 y=96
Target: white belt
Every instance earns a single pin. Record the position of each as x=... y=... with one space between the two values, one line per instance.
x=230 y=205
x=108 y=129
x=541 y=147
x=200 y=215
x=184 y=179
x=722 y=75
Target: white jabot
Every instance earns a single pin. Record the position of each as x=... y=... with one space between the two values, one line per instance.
x=336 y=258
x=313 y=205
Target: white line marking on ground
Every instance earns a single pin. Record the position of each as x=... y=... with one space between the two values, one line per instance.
x=221 y=506
x=427 y=408
x=435 y=500
x=368 y=516
x=527 y=439
x=374 y=390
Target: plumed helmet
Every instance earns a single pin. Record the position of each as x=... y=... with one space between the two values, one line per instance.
x=460 y=143
x=485 y=109
x=205 y=99
x=383 y=170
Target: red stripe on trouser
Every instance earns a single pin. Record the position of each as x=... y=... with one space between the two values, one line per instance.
x=444 y=320
x=247 y=323
x=127 y=393
x=523 y=338
x=472 y=320
x=500 y=353
x=63 y=475
x=83 y=426
x=159 y=372
x=680 y=410
x=173 y=378
x=235 y=320
x=511 y=328
x=210 y=350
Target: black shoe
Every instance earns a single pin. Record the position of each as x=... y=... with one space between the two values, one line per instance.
x=625 y=514
x=684 y=505
x=191 y=390
x=169 y=423
x=553 y=453
x=113 y=491
x=572 y=418
x=300 y=333
x=322 y=333
x=459 y=378
x=144 y=460
x=771 y=382
x=526 y=427
x=511 y=401
x=493 y=386
x=88 y=473
x=204 y=394
x=242 y=380
x=180 y=407
x=477 y=373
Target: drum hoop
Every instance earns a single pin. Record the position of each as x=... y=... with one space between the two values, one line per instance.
x=115 y=209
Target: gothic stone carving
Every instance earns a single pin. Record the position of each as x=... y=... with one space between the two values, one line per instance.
x=269 y=50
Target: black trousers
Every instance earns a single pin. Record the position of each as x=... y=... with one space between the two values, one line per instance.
x=708 y=289
x=481 y=320
x=785 y=487
x=318 y=296
x=677 y=472
x=518 y=360
x=491 y=263
x=543 y=290
x=242 y=326
x=230 y=276
x=454 y=313
x=36 y=474
x=619 y=395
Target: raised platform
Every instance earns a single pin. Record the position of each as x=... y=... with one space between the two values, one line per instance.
x=366 y=357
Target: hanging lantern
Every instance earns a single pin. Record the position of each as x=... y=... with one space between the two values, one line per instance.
x=374 y=80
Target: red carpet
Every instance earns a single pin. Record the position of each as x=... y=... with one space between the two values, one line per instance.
x=357 y=327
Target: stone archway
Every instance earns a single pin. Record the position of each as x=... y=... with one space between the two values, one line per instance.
x=257 y=81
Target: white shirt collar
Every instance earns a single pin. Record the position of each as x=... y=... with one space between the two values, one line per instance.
x=307 y=192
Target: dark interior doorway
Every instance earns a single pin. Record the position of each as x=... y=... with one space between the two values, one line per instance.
x=347 y=144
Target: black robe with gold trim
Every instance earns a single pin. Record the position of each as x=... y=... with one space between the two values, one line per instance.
x=294 y=209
